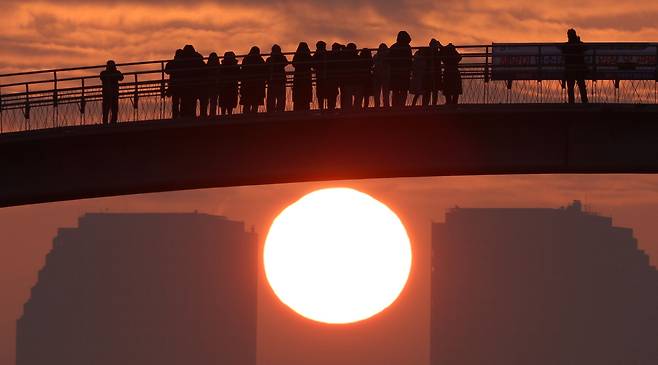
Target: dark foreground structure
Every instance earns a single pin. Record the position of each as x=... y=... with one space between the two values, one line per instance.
x=144 y=289
x=133 y=158
x=540 y=286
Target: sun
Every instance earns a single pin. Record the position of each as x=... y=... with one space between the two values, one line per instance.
x=337 y=256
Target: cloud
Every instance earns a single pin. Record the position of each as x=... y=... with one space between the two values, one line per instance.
x=64 y=33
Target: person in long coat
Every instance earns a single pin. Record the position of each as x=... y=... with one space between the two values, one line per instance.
x=347 y=81
x=333 y=69
x=228 y=89
x=452 y=80
x=363 y=80
x=191 y=77
x=302 y=84
x=173 y=89
x=418 y=86
x=213 y=82
x=276 y=81
x=254 y=78
x=110 y=78
x=400 y=61
x=575 y=68
x=381 y=75
x=435 y=71
x=320 y=70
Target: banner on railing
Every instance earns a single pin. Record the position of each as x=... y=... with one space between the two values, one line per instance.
x=620 y=61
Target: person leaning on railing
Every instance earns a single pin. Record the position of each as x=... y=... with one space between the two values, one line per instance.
x=110 y=79
x=452 y=79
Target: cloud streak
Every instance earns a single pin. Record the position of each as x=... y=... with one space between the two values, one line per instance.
x=40 y=34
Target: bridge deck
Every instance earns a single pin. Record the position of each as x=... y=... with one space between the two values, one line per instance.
x=162 y=155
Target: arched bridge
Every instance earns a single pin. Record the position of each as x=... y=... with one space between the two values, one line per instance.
x=95 y=161
x=513 y=120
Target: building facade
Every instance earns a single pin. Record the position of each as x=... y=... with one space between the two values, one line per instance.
x=540 y=286
x=144 y=289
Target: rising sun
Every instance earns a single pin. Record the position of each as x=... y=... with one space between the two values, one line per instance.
x=337 y=256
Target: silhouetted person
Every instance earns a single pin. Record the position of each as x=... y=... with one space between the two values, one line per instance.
x=435 y=72
x=320 y=69
x=349 y=70
x=419 y=76
x=302 y=85
x=191 y=75
x=333 y=75
x=254 y=77
x=575 y=68
x=173 y=69
x=452 y=80
x=400 y=61
x=276 y=82
x=381 y=76
x=228 y=89
x=363 y=86
x=213 y=82
x=110 y=79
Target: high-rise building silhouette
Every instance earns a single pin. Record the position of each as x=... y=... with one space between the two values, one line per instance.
x=144 y=289
x=540 y=286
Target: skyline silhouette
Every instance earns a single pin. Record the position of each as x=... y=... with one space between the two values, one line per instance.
x=576 y=237
x=541 y=286
x=144 y=288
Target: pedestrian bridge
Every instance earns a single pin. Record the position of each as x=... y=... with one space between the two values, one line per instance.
x=512 y=120
x=163 y=155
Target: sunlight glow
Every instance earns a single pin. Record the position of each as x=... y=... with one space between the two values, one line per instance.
x=337 y=256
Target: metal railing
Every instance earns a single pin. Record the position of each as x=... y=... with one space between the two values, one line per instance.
x=73 y=96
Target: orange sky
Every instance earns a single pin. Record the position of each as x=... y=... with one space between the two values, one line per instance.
x=44 y=34
x=40 y=34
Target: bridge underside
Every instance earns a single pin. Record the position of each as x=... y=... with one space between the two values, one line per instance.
x=97 y=161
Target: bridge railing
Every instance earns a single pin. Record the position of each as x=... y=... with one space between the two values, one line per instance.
x=72 y=96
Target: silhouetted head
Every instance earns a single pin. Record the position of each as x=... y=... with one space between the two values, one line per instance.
x=276 y=49
x=189 y=50
x=321 y=46
x=382 y=47
x=435 y=44
x=111 y=65
x=213 y=59
x=336 y=47
x=179 y=53
x=571 y=35
x=229 y=57
x=303 y=48
x=254 y=51
x=403 y=37
x=351 y=46
x=365 y=53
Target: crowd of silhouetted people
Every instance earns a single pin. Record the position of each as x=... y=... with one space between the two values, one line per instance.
x=342 y=73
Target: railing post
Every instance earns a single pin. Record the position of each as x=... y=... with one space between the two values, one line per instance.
x=55 y=100
x=1 y=116
x=26 y=111
x=83 y=101
x=486 y=75
x=163 y=90
x=594 y=76
x=136 y=101
x=540 y=76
